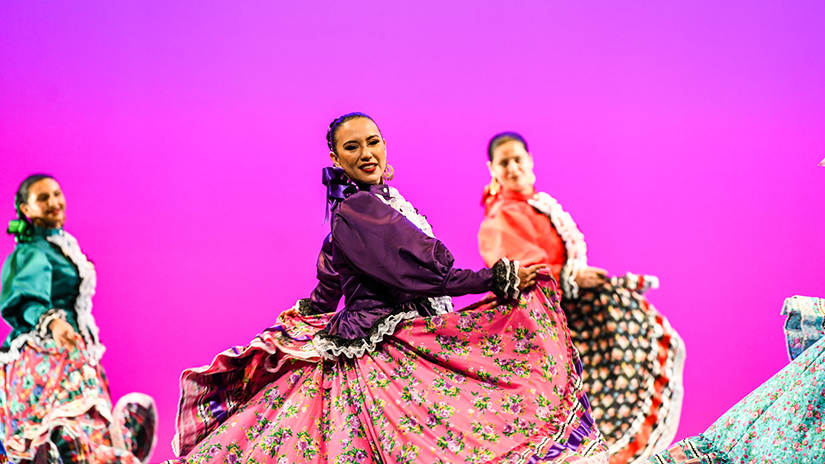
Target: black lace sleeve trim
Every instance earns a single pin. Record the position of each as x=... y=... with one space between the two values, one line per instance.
x=304 y=306
x=42 y=327
x=505 y=279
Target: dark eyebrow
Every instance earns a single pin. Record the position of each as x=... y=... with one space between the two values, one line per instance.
x=368 y=138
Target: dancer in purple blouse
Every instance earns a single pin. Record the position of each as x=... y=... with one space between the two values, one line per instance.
x=379 y=258
x=395 y=375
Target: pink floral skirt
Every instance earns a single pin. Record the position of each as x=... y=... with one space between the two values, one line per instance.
x=495 y=382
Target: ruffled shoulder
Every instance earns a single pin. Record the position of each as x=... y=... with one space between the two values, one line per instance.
x=24 y=253
x=26 y=274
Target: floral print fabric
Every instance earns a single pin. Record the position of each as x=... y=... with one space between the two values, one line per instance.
x=492 y=383
x=633 y=362
x=780 y=422
x=55 y=407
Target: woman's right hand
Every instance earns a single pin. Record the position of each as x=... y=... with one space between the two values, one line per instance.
x=63 y=333
x=527 y=275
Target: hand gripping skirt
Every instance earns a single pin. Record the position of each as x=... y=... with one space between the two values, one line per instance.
x=495 y=382
x=633 y=361
x=55 y=407
x=781 y=421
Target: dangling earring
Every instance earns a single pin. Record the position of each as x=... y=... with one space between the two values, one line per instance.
x=389 y=173
x=495 y=187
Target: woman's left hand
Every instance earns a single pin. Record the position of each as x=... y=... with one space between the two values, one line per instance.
x=590 y=277
x=63 y=334
x=289 y=313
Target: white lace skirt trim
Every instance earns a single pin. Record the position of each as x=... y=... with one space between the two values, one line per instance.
x=332 y=351
x=441 y=305
x=13 y=354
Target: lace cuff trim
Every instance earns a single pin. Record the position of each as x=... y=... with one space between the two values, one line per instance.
x=304 y=307
x=332 y=346
x=36 y=337
x=42 y=327
x=568 y=274
x=505 y=279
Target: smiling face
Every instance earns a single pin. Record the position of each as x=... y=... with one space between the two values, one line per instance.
x=512 y=166
x=360 y=151
x=46 y=205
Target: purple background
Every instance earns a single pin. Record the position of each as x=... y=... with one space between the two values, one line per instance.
x=189 y=137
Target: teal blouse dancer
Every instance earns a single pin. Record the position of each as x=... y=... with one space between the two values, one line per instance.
x=54 y=397
x=39 y=277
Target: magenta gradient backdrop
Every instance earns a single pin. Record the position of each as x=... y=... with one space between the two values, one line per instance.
x=189 y=138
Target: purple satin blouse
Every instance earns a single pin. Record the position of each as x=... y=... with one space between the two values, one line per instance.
x=379 y=261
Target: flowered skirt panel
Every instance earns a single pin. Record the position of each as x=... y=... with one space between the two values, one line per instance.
x=55 y=407
x=633 y=362
x=491 y=383
x=779 y=422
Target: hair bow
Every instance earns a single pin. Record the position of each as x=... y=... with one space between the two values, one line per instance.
x=18 y=228
x=339 y=186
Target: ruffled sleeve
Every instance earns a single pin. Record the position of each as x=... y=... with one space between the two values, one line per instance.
x=327 y=293
x=27 y=285
x=380 y=242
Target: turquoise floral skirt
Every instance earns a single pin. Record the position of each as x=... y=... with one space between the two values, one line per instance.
x=780 y=422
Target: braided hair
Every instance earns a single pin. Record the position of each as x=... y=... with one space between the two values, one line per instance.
x=502 y=138
x=21 y=227
x=332 y=131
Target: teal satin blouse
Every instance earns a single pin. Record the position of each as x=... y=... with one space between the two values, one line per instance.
x=37 y=277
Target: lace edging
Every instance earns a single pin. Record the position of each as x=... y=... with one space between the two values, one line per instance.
x=441 y=304
x=83 y=304
x=505 y=279
x=118 y=412
x=573 y=239
x=42 y=327
x=516 y=279
x=13 y=354
x=326 y=344
x=303 y=307
x=400 y=204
